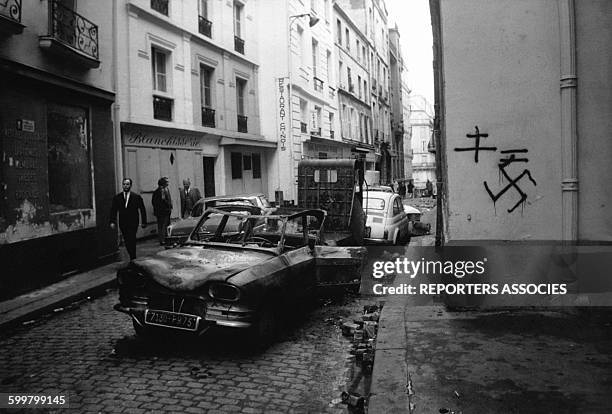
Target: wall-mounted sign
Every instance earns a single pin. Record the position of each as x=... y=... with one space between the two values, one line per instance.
x=282 y=124
x=142 y=136
x=26 y=125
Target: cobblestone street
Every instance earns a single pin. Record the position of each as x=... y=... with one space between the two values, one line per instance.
x=91 y=352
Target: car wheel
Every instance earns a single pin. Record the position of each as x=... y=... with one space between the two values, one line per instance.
x=265 y=329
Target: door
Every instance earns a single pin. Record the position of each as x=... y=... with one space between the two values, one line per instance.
x=169 y=168
x=209 y=176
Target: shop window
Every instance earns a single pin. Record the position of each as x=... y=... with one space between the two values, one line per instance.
x=236 y=159
x=256 y=165
x=246 y=162
x=68 y=150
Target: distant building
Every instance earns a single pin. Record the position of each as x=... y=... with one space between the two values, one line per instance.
x=396 y=68
x=421 y=127
x=57 y=171
x=407 y=131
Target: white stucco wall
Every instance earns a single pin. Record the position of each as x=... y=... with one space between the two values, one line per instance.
x=501 y=73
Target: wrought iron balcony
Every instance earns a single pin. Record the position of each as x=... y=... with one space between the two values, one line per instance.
x=162 y=108
x=204 y=26
x=208 y=117
x=238 y=45
x=71 y=35
x=160 y=6
x=242 y=123
x=303 y=127
x=316 y=132
x=331 y=134
x=10 y=17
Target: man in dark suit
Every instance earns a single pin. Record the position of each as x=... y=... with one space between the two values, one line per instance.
x=128 y=205
x=162 y=207
x=189 y=196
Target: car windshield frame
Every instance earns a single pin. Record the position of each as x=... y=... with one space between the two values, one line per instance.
x=259 y=225
x=368 y=207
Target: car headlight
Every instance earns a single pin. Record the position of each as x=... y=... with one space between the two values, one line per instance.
x=224 y=291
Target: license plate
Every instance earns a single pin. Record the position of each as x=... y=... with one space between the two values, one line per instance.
x=172 y=319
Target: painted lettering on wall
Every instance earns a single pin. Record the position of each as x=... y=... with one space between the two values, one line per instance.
x=509 y=158
x=141 y=138
x=282 y=125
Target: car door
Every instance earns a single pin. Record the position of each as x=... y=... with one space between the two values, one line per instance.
x=398 y=218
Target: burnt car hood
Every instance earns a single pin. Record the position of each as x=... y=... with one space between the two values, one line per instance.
x=188 y=268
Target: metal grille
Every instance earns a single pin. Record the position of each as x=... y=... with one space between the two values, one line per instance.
x=72 y=29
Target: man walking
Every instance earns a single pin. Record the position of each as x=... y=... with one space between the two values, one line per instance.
x=189 y=196
x=128 y=205
x=162 y=207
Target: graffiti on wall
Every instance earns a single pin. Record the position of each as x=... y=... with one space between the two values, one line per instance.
x=510 y=157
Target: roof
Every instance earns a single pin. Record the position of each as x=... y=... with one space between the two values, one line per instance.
x=385 y=195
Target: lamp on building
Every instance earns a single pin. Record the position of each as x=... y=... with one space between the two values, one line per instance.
x=312 y=20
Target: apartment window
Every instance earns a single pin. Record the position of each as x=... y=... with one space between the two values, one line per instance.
x=240 y=92
x=347 y=39
x=340 y=73
x=160 y=6
x=208 y=114
x=339 y=31
x=358 y=50
x=236 y=161
x=158 y=60
x=359 y=85
x=365 y=90
x=238 y=19
x=350 y=81
x=331 y=124
x=365 y=56
x=204 y=23
x=240 y=105
x=256 y=158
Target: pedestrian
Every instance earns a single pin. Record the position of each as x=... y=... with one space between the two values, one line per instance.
x=410 y=188
x=429 y=188
x=189 y=196
x=402 y=189
x=162 y=207
x=128 y=205
x=395 y=186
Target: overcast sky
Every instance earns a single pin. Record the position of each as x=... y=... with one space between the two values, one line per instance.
x=414 y=23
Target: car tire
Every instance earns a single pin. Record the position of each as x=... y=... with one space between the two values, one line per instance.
x=264 y=331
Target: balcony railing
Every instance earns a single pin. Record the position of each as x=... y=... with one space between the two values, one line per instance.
x=208 y=117
x=351 y=87
x=318 y=84
x=10 y=16
x=316 y=132
x=162 y=108
x=160 y=6
x=242 y=123
x=238 y=45
x=332 y=92
x=204 y=26
x=303 y=127
x=73 y=31
x=331 y=134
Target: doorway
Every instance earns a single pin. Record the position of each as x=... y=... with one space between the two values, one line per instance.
x=209 y=176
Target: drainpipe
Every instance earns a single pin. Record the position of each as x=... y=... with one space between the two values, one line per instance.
x=115 y=105
x=569 y=132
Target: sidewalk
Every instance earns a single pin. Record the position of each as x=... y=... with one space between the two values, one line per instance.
x=81 y=285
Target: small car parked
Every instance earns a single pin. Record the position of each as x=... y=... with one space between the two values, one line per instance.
x=386 y=221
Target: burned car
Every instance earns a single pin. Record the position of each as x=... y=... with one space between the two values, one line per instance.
x=241 y=272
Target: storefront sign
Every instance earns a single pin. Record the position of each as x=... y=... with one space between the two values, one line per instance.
x=282 y=126
x=134 y=135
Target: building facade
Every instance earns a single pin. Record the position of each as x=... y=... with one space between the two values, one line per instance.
x=354 y=88
x=57 y=169
x=421 y=123
x=189 y=105
x=396 y=68
x=299 y=103
x=407 y=131
x=542 y=111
